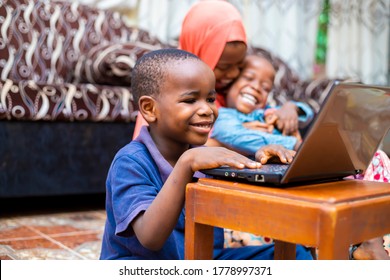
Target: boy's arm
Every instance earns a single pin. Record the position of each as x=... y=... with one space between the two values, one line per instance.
x=153 y=226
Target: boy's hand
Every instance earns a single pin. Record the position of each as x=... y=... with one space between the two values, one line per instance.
x=272 y=152
x=213 y=157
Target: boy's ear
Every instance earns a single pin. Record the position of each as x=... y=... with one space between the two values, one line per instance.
x=147 y=107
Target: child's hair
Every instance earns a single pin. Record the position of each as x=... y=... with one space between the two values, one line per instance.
x=150 y=70
x=264 y=54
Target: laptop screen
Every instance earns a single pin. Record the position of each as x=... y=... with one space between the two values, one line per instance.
x=345 y=135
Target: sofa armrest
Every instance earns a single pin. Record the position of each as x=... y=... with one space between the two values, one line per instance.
x=31 y=101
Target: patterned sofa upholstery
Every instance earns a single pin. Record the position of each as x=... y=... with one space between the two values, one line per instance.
x=65 y=108
x=65 y=101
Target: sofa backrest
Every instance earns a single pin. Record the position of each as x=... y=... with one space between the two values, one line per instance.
x=43 y=40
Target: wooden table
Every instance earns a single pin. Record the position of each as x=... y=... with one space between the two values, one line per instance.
x=329 y=216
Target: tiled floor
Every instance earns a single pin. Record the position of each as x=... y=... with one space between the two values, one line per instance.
x=58 y=228
x=61 y=228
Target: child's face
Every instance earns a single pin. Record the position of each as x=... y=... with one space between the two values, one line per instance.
x=186 y=110
x=229 y=65
x=250 y=90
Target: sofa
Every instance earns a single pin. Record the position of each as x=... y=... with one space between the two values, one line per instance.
x=65 y=100
x=65 y=107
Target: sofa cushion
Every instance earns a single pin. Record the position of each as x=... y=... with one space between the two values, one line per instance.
x=43 y=40
x=31 y=101
x=111 y=64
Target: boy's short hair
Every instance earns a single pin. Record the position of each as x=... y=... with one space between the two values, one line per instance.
x=151 y=69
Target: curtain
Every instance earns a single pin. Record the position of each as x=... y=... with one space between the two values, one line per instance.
x=287 y=28
x=163 y=18
x=358 y=31
x=358 y=40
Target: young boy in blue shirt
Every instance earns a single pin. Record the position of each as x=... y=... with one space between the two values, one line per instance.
x=146 y=182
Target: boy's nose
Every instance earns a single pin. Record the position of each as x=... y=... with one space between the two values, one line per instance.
x=205 y=109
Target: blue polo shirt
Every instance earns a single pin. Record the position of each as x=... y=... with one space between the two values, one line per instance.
x=135 y=177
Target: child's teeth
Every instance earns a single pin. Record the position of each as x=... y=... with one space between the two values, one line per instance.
x=249 y=98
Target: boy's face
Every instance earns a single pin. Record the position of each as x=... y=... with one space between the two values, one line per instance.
x=185 y=108
x=250 y=90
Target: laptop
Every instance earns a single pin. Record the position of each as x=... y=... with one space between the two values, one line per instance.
x=342 y=140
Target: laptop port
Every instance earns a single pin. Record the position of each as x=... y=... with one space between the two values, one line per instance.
x=259 y=178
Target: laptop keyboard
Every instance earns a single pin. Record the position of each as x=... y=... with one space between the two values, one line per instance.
x=274 y=168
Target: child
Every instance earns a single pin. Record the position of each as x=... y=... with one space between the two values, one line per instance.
x=147 y=179
x=248 y=123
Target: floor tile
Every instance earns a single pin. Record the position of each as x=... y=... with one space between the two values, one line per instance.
x=16 y=232
x=51 y=228
x=45 y=254
x=30 y=243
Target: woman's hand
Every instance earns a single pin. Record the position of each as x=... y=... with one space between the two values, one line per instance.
x=287 y=118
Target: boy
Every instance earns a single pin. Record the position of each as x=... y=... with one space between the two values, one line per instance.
x=147 y=179
x=248 y=123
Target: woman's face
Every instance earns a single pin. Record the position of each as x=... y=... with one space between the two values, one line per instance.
x=230 y=64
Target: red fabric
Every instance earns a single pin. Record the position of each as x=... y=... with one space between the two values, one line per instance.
x=379 y=168
x=208 y=26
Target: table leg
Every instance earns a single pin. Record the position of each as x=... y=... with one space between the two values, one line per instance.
x=335 y=252
x=199 y=241
x=199 y=238
x=284 y=250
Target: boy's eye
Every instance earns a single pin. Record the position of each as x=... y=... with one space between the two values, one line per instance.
x=211 y=99
x=189 y=100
